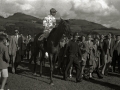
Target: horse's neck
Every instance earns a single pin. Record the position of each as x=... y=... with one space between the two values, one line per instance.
x=55 y=35
x=59 y=34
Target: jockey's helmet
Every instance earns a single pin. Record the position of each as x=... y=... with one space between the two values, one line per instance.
x=52 y=10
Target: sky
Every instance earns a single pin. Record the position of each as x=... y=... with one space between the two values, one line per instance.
x=105 y=12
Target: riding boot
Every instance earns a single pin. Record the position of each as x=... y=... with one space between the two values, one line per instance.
x=45 y=42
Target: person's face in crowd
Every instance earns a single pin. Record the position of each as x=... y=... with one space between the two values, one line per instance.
x=5 y=41
x=29 y=36
x=118 y=38
x=102 y=36
x=109 y=36
x=98 y=36
x=89 y=38
x=95 y=41
x=67 y=40
x=114 y=36
x=77 y=34
x=16 y=33
x=83 y=38
x=75 y=38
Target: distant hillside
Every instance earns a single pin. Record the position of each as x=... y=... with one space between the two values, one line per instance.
x=1 y=17
x=27 y=24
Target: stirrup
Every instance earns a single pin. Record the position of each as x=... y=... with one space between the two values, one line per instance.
x=40 y=39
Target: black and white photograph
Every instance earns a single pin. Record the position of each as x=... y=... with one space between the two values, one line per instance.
x=59 y=44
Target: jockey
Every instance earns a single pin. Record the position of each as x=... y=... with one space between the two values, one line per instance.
x=49 y=23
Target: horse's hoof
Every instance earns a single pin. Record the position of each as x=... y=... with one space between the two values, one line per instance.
x=37 y=75
x=13 y=72
x=40 y=75
x=70 y=76
x=51 y=84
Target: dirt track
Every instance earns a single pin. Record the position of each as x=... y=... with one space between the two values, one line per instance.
x=24 y=80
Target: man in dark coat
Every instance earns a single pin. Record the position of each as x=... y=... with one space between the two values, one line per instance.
x=108 y=53
x=20 y=51
x=73 y=52
x=116 y=54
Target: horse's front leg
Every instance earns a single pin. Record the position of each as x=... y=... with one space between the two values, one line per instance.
x=35 y=65
x=54 y=61
x=51 y=69
x=42 y=54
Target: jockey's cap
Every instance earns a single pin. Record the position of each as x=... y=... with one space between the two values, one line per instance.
x=53 y=10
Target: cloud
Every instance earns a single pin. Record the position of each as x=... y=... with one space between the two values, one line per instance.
x=107 y=25
x=92 y=10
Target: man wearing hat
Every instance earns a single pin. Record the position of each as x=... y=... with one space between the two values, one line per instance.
x=49 y=23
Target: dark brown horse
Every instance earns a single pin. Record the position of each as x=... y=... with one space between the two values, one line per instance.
x=51 y=46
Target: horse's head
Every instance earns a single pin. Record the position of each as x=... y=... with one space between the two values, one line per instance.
x=65 y=27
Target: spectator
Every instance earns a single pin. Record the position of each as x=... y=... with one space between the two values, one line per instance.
x=73 y=50
x=116 y=54
x=13 y=48
x=96 y=54
x=101 y=50
x=4 y=60
x=90 y=56
x=108 y=53
x=83 y=48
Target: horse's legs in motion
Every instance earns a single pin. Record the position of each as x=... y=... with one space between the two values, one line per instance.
x=42 y=54
x=71 y=68
x=54 y=60
x=51 y=68
x=35 y=62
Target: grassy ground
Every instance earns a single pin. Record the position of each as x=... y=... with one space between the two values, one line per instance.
x=24 y=80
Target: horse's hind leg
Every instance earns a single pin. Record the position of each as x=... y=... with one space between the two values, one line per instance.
x=42 y=54
x=51 y=69
x=35 y=65
x=54 y=61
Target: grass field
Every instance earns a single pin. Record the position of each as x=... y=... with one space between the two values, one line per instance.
x=24 y=80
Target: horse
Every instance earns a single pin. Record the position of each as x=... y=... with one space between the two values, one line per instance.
x=51 y=45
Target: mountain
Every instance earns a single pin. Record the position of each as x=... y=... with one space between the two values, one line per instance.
x=85 y=25
x=22 y=17
x=1 y=17
x=28 y=24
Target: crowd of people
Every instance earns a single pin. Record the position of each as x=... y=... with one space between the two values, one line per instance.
x=98 y=53
x=13 y=49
